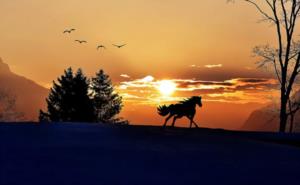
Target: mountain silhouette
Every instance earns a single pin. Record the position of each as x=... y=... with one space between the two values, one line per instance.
x=30 y=97
x=4 y=68
x=267 y=118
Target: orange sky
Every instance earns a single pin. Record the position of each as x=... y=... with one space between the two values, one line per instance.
x=195 y=41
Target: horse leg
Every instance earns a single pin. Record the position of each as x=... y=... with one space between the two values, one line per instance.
x=174 y=120
x=167 y=119
x=195 y=124
x=191 y=122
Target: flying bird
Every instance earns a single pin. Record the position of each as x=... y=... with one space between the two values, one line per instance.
x=81 y=41
x=119 y=46
x=101 y=46
x=69 y=31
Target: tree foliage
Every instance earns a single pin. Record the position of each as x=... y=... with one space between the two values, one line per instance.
x=69 y=100
x=107 y=103
x=74 y=98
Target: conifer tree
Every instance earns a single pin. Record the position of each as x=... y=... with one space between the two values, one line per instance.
x=69 y=100
x=107 y=103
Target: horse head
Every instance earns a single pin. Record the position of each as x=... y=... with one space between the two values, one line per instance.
x=198 y=101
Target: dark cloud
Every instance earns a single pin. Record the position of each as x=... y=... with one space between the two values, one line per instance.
x=252 y=80
x=187 y=83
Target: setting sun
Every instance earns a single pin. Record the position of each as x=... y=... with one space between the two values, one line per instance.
x=166 y=87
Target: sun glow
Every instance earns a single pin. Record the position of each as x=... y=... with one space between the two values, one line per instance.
x=166 y=87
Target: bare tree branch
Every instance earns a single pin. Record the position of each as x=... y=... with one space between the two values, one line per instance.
x=285 y=56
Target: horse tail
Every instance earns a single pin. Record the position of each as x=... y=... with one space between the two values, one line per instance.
x=163 y=110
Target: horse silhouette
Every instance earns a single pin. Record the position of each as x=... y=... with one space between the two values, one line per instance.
x=183 y=108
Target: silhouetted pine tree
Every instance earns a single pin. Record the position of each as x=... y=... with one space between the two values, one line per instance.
x=107 y=103
x=69 y=100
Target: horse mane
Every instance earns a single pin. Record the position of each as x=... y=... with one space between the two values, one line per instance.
x=188 y=100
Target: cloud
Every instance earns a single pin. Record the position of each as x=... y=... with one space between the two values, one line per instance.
x=194 y=66
x=125 y=76
x=210 y=66
x=146 y=82
x=147 y=79
x=237 y=89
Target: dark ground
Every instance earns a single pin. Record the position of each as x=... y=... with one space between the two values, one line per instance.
x=84 y=154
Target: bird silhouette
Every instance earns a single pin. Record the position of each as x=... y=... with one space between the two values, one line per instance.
x=119 y=46
x=101 y=46
x=69 y=31
x=81 y=41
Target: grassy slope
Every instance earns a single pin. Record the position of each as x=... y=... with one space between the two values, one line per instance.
x=96 y=154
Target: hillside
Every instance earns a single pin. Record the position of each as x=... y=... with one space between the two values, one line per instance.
x=30 y=97
x=266 y=118
x=87 y=154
